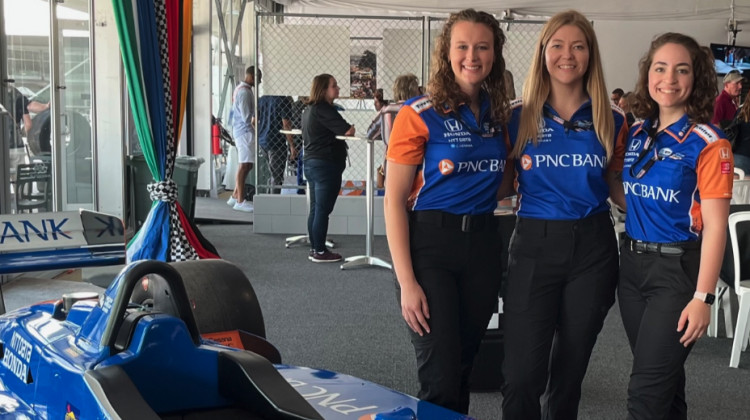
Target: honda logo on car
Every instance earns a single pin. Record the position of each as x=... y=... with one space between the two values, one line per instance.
x=15 y=355
x=446 y=166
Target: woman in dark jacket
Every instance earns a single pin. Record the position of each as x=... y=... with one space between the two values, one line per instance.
x=325 y=160
x=741 y=146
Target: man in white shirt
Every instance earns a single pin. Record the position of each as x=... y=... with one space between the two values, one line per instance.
x=243 y=110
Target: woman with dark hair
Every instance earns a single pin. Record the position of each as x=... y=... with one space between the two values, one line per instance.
x=324 y=161
x=446 y=159
x=562 y=272
x=678 y=183
x=741 y=147
x=373 y=131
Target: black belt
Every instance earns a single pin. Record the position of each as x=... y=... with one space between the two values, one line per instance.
x=462 y=222
x=669 y=248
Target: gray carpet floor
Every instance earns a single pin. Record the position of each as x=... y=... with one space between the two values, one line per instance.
x=349 y=321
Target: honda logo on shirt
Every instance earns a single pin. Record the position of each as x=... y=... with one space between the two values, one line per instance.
x=724 y=153
x=453 y=125
x=635 y=145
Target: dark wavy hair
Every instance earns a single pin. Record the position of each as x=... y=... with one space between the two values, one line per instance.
x=700 y=103
x=442 y=85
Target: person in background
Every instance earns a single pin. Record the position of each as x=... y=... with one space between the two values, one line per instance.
x=19 y=113
x=616 y=95
x=404 y=87
x=297 y=109
x=568 y=143
x=325 y=160
x=243 y=110
x=373 y=131
x=624 y=104
x=274 y=114
x=673 y=250
x=741 y=147
x=441 y=231
x=728 y=100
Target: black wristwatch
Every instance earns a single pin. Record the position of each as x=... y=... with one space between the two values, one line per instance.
x=706 y=298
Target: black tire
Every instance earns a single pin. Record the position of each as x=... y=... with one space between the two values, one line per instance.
x=221 y=297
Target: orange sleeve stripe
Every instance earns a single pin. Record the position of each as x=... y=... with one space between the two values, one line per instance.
x=408 y=137
x=715 y=170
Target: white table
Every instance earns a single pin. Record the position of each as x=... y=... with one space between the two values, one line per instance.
x=368 y=259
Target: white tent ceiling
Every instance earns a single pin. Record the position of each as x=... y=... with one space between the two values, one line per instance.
x=594 y=9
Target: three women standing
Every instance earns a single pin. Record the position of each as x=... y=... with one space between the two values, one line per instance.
x=446 y=158
x=568 y=143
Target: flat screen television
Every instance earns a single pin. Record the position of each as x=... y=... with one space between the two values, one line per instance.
x=728 y=58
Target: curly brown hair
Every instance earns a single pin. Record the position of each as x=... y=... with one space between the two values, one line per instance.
x=442 y=85
x=700 y=103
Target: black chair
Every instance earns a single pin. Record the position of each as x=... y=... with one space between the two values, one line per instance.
x=34 y=187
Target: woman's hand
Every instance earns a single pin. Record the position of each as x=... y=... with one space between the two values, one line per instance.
x=697 y=315
x=414 y=308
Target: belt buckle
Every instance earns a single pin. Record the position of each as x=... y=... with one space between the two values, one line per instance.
x=466 y=223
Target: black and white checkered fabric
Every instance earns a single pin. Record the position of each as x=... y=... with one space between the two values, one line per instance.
x=163 y=191
x=179 y=247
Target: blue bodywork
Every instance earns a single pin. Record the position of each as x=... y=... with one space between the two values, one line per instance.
x=47 y=352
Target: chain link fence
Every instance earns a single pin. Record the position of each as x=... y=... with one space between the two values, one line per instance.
x=365 y=54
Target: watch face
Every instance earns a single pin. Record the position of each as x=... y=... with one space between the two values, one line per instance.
x=710 y=298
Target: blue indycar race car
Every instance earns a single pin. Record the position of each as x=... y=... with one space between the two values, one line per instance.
x=164 y=341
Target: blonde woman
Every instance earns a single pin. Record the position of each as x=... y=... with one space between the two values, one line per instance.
x=439 y=203
x=568 y=145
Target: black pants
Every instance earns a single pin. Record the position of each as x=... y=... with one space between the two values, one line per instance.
x=561 y=283
x=277 y=157
x=459 y=273
x=653 y=291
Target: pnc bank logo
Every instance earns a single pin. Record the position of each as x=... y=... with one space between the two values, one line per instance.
x=452 y=125
x=526 y=162
x=446 y=166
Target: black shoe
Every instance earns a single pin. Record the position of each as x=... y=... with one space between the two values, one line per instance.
x=325 y=257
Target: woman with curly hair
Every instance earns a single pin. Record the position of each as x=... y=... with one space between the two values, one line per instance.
x=678 y=183
x=446 y=159
x=562 y=271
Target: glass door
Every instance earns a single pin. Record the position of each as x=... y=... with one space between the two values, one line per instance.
x=25 y=82
x=49 y=84
x=75 y=103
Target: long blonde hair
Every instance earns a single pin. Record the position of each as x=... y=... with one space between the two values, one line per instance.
x=536 y=89
x=442 y=85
